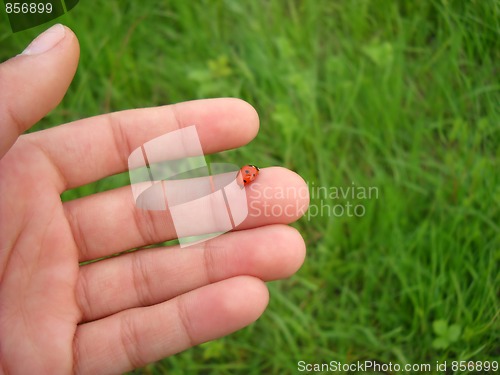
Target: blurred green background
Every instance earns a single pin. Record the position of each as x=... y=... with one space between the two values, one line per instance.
x=398 y=95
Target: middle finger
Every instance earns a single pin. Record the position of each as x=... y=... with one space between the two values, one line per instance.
x=109 y=222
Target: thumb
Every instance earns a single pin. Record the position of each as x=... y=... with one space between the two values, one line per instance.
x=34 y=82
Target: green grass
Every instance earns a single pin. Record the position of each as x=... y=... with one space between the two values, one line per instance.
x=398 y=95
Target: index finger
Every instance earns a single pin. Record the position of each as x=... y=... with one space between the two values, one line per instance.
x=90 y=149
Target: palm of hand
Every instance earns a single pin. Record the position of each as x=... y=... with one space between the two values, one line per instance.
x=39 y=267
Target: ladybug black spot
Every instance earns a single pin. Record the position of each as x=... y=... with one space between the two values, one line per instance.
x=247 y=171
x=244 y=181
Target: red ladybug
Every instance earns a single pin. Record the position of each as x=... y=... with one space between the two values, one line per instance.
x=247 y=174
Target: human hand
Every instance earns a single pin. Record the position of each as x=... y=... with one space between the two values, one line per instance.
x=123 y=312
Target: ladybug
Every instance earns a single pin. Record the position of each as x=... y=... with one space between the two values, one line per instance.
x=247 y=174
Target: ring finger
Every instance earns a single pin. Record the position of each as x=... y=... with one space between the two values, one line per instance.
x=152 y=276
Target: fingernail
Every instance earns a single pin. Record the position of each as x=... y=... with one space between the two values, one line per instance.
x=46 y=40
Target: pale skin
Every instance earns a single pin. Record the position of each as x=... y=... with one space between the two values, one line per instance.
x=57 y=317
